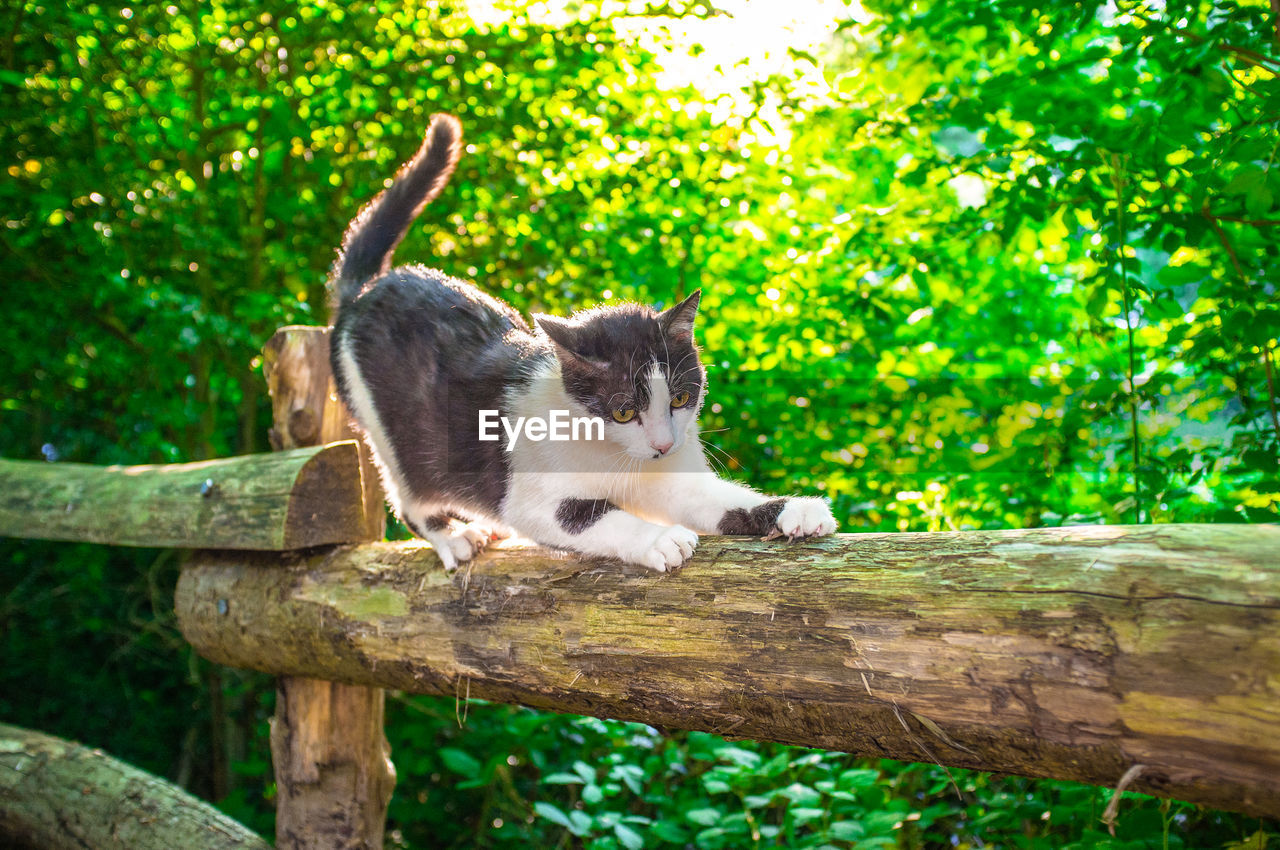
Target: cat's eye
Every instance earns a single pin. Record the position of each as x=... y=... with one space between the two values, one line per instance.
x=624 y=415
x=680 y=399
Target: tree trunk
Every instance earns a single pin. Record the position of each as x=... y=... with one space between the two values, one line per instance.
x=332 y=763
x=56 y=795
x=1074 y=653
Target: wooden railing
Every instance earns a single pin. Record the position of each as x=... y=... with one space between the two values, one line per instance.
x=1148 y=654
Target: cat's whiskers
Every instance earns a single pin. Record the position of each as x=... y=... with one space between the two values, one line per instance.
x=615 y=473
x=676 y=368
x=633 y=371
x=626 y=478
x=631 y=482
x=666 y=356
x=618 y=483
x=711 y=458
x=716 y=464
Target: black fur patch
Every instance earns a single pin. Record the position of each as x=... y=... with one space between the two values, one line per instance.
x=577 y=515
x=757 y=521
x=431 y=523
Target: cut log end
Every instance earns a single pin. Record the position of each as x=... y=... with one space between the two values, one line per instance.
x=283 y=500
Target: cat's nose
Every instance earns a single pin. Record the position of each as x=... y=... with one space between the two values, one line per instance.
x=662 y=448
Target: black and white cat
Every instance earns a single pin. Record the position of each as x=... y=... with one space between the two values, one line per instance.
x=419 y=355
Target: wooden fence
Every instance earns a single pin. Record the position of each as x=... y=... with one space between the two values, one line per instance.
x=1147 y=656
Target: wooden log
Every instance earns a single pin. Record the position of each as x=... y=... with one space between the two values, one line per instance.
x=306 y=410
x=1074 y=653
x=283 y=500
x=56 y=795
x=331 y=758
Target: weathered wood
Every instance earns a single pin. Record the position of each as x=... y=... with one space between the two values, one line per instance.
x=56 y=795
x=334 y=775
x=306 y=410
x=1074 y=653
x=332 y=763
x=283 y=500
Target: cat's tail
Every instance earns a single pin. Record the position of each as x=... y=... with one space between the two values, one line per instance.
x=375 y=232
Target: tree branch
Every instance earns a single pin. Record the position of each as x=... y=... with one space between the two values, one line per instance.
x=1245 y=54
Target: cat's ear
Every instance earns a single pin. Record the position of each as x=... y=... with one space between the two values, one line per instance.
x=677 y=322
x=564 y=334
x=561 y=331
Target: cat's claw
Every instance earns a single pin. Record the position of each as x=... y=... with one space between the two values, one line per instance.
x=460 y=543
x=669 y=549
x=804 y=517
x=500 y=532
x=477 y=534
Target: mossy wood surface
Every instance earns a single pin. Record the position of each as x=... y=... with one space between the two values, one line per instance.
x=283 y=500
x=1074 y=653
x=56 y=795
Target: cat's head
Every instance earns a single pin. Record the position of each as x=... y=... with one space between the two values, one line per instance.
x=635 y=368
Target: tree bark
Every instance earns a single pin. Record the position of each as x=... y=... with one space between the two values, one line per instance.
x=287 y=500
x=1074 y=653
x=56 y=795
x=332 y=763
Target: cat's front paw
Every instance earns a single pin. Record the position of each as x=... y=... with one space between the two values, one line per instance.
x=805 y=517
x=668 y=550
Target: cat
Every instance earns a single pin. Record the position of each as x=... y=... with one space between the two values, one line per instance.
x=421 y=358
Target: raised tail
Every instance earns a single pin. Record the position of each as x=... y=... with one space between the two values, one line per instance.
x=375 y=232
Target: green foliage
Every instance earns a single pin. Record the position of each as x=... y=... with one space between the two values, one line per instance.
x=502 y=776
x=975 y=265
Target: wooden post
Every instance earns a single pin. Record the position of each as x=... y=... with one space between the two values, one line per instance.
x=332 y=763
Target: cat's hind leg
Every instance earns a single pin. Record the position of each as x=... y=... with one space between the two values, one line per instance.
x=455 y=542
